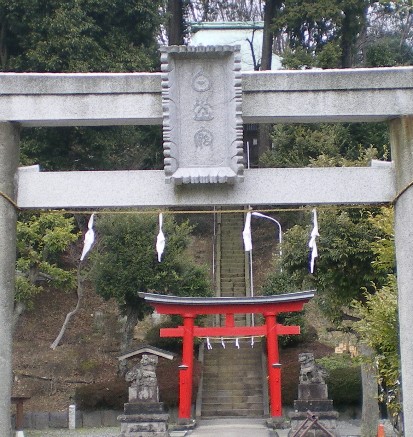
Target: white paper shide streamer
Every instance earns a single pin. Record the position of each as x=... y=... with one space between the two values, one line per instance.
x=89 y=238
x=246 y=233
x=312 y=243
x=160 y=239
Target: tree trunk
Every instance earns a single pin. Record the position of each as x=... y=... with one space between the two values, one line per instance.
x=131 y=321
x=346 y=40
x=175 y=22
x=71 y=313
x=370 y=411
x=19 y=309
x=270 y=10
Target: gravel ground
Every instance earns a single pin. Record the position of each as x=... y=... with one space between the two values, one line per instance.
x=350 y=428
x=81 y=432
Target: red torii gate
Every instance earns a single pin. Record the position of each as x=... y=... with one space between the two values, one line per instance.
x=190 y=307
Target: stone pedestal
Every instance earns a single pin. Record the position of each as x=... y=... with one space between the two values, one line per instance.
x=314 y=407
x=144 y=419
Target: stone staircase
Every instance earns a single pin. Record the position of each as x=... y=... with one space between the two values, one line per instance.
x=233 y=380
x=233 y=278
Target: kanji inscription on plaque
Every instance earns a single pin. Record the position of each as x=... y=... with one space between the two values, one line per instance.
x=202 y=123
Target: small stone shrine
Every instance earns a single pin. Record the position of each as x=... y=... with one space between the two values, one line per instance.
x=144 y=415
x=313 y=414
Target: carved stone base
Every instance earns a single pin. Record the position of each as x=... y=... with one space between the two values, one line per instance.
x=328 y=420
x=144 y=419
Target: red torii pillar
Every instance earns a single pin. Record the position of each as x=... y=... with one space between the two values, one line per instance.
x=190 y=307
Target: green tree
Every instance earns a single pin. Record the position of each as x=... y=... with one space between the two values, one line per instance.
x=378 y=325
x=41 y=241
x=84 y=36
x=312 y=26
x=345 y=263
x=322 y=144
x=126 y=263
x=79 y=35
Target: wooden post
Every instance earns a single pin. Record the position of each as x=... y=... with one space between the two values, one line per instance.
x=186 y=369
x=273 y=364
x=9 y=158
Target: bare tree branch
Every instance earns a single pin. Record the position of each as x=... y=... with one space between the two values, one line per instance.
x=71 y=313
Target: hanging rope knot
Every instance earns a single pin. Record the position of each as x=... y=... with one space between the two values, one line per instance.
x=10 y=200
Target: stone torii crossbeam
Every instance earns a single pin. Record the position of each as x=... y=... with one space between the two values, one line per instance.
x=360 y=95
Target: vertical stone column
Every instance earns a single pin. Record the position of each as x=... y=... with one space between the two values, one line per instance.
x=9 y=159
x=401 y=138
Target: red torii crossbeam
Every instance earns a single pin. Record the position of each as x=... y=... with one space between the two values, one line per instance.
x=191 y=307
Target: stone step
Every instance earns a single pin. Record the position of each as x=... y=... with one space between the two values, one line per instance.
x=237 y=396
x=251 y=372
x=230 y=286
x=233 y=405
x=255 y=395
x=247 y=363
x=238 y=388
x=241 y=412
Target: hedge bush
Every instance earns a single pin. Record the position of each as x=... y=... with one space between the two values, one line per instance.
x=344 y=379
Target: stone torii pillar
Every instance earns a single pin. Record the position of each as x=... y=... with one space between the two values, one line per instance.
x=401 y=137
x=9 y=159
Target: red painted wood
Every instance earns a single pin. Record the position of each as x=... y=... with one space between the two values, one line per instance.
x=186 y=371
x=224 y=331
x=188 y=331
x=229 y=320
x=274 y=373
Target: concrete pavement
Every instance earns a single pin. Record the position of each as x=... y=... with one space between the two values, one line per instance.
x=217 y=427
x=239 y=427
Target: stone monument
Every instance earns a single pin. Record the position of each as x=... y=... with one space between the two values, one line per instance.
x=144 y=415
x=144 y=385
x=313 y=414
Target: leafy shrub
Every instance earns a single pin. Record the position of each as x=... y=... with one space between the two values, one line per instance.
x=172 y=344
x=102 y=396
x=344 y=379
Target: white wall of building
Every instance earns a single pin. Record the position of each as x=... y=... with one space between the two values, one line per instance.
x=234 y=34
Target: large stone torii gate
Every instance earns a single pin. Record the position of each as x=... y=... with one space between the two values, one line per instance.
x=360 y=95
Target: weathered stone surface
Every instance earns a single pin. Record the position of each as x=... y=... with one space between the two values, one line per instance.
x=202 y=124
x=110 y=418
x=313 y=405
x=268 y=97
x=143 y=408
x=264 y=186
x=92 y=419
x=58 y=420
x=143 y=417
x=312 y=391
x=144 y=384
x=401 y=139
x=144 y=425
x=327 y=419
x=40 y=420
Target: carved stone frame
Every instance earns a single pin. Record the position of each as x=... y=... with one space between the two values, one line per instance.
x=202 y=116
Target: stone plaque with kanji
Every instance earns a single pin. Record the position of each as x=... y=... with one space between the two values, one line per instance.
x=202 y=123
